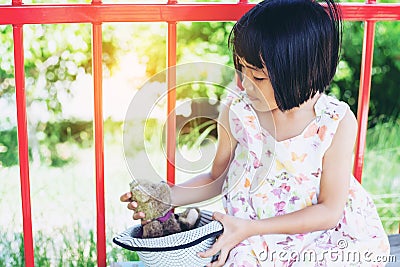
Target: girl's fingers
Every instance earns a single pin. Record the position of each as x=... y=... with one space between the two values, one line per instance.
x=221 y=258
x=145 y=222
x=138 y=215
x=212 y=251
x=132 y=205
x=218 y=216
x=208 y=253
x=126 y=197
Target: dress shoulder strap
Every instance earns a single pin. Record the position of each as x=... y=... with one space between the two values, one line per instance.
x=329 y=111
x=330 y=107
x=243 y=120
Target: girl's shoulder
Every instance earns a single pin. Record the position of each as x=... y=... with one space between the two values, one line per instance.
x=337 y=117
x=330 y=108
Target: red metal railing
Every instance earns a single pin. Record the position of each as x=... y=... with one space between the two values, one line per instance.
x=23 y=140
x=364 y=93
x=99 y=137
x=97 y=13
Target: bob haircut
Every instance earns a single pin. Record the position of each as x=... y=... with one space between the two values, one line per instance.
x=298 y=41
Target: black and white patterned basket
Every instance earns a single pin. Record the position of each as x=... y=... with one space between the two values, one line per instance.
x=173 y=250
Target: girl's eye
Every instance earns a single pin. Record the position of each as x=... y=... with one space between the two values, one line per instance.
x=258 y=79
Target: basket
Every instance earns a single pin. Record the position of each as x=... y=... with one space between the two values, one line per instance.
x=174 y=250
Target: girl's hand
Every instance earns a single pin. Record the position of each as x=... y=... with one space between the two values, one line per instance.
x=235 y=231
x=132 y=205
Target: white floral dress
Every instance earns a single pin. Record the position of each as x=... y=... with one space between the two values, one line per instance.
x=269 y=178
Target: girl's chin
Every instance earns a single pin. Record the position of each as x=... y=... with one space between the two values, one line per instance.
x=261 y=106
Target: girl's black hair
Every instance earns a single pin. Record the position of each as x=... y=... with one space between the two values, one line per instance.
x=298 y=41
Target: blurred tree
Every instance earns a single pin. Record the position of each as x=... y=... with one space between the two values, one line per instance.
x=204 y=41
x=57 y=54
x=385 y=100
x=54 y=57
x=207 y=41
x=197 y=41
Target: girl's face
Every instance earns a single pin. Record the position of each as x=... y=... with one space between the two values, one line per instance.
x=258 y=87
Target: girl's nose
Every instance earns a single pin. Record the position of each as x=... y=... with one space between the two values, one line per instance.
x=247 y=84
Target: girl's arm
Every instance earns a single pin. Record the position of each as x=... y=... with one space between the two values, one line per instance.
x=208 y=185
x=334 y=187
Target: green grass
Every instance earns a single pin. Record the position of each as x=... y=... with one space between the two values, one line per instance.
x=62 y=249
x=64 y=212
x=381 y=173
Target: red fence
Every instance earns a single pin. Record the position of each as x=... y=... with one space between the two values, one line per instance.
x=171 y=12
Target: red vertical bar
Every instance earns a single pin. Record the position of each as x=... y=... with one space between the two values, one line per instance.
x=99 y=141
x=171 y=98
x=171 y=84
x=23 y=143
x=364 y=95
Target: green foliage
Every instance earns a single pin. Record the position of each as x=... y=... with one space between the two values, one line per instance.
x=63 y=249
x=8 y=148
x=12 y=247
x=64 y=132
x=207 y=41
x=117 y=254
x=204 y=41
x=385 y=73
x=196 y=41
x=42 y=249
x=381 y=171
x=55 y=55
x=55 y=62
x=6 y=60
x=198 y=133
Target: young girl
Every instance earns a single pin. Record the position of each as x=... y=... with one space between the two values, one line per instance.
x=283 y=162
